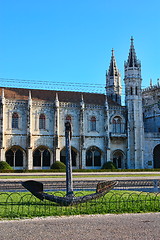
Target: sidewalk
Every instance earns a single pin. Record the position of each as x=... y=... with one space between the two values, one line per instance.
x=86 y=227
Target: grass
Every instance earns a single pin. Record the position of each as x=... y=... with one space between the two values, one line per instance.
x=25 y=205
x=79 y=176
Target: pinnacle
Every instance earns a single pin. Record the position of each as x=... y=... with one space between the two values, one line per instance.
x=113 y=70
x=132 y=58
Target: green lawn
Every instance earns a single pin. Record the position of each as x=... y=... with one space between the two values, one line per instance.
x=25 y=205
x=80 y=176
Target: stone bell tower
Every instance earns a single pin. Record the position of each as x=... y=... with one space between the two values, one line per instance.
x=133 y=100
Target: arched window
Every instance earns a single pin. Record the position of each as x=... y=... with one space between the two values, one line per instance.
x=10 y=157
x=42 y=121
x=136 y=90
x=41 y=158
x=18 y=158
x=46 y=158
x=93 y=157
x=37 y=158
x=117 y=159
x=131 y=91
x=118 y=125
x=156 y=156
x=93 y=123
x=15 y=120
x=14 y=157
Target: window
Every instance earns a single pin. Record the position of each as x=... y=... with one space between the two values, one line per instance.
x=10 y=157
x=41 y=158
x=118 y=125
x=93 y=124
x=46 y=158
x=93 y=157
x=14 y=157
x=131 y=91
x=42 y=121
x=15 y=120
x=136 y=90
x=19 y=158
x=37 y=158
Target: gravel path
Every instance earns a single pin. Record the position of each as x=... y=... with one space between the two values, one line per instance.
x=94 y=227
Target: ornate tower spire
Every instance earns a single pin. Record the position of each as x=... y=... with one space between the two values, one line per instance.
x=132 y=77
x=113 y=70
x=132 y=58
x=113 y=81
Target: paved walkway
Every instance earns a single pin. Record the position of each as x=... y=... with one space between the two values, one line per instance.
x=95 y=227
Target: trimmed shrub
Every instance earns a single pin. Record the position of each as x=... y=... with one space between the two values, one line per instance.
x=109 y=165
x=5 y=166
x=58 y=165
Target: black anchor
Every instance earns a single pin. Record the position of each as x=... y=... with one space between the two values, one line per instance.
x=36 y=188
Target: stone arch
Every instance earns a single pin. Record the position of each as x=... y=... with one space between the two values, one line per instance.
x=118 y=158
x=93 y=157
x=74 y=154
x=42 y=157
x=15 y=156
x=156 y=156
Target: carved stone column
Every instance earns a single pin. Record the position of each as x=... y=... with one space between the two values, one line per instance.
x=56 y=156
x=2 y=122
x=107 y=136
x=29 y=133
x=82 y=136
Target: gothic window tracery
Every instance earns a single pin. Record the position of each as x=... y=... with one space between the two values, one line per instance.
x=93 y=157
x=15 y=120
x=14 y=157
x=42 y=121
x=117 y=125
x=41 y=158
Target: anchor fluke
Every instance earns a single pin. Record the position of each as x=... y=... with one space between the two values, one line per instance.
x=36 y=188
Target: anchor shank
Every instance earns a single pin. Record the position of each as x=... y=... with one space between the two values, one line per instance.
x=69 y=180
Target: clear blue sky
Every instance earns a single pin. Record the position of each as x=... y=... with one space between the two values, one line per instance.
x=71 y=40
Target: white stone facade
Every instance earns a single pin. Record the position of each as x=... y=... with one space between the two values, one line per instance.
x=32 y=124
